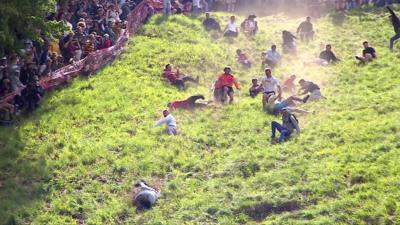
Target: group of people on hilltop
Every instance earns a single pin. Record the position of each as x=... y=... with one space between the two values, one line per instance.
x=92 y=25
x=249 y=26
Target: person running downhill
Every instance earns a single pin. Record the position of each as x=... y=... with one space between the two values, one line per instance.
x=306 y=30
x=189 y=103
x=176 y=79
x=289 y=124
x=224 y=86
x=396 y=25
x=270 y=85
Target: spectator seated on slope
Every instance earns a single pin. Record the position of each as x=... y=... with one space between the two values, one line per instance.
x=176 y=79
x=145 y=197
x=368 y=54
x=211 y=24
x=255 y=88
x=243 y=58
x=289 y=86
x=313 y=91
x=288 y=126
x=169 y=120
x=189 y=103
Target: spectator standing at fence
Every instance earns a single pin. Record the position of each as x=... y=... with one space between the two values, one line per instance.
x=306 y=30
x=167 y=7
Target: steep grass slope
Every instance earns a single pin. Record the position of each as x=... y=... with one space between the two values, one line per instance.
x=76 y=159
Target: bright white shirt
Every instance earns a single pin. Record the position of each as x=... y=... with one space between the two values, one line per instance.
x=269 y=84
x=273 y=56
x=169 y=120
x=232 y=27
x=196 y=3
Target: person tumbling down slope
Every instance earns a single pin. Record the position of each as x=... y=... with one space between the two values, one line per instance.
x=146 y=196
x=189 y=103
x=224 y=86
x=311 y=88
x=169 y=120
x=274 y=106
x=289 y=124
x=176 y=79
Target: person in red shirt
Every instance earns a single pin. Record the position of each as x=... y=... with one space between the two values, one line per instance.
x=224 y=86
x=176 y=79
x=289 y=85
x=189 y=103
x=243 y=58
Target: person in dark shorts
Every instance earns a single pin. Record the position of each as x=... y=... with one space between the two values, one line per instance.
x=255 y=89
x=224 y=86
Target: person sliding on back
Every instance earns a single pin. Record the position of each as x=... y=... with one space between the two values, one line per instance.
x=189 y=103
x=176 y=79
x=396 y=25
x=368 y=54
x=224 y=86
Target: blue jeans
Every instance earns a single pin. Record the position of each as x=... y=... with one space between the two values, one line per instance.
x=284 y=132
x=393 y=39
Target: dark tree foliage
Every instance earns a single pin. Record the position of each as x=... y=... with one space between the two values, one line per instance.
x=21 y=19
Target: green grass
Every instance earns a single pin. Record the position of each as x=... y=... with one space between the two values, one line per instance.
x=78 y=156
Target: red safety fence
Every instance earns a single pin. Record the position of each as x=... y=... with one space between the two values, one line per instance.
x=99 y=58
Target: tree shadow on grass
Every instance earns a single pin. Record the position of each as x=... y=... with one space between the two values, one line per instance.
x=22 y=177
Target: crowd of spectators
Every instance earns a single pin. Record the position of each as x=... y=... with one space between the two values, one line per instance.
x=90 y=25
x=352 y=4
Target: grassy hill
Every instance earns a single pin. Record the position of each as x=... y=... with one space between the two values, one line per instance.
x=75 y=160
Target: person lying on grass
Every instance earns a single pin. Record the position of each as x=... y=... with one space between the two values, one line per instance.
x=313 y=91
x=243 y=58
x=368 y=54
x=169 y=120
x=176 y=79
x=231 y=29
x=255 y=88
x=146 y=196
x=288 y=126
x=189 y=103
x=223 y=87
x=274 y=106
x=270 y=85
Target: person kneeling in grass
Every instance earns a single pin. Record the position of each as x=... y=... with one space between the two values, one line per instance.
x=289 y=124
x=189 y=103
x=170 y=121
x=368 y=54
x=311 y=88
x=146 y=196
x=176 y=79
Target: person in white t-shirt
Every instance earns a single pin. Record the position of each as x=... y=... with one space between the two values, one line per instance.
x=231 y=30
x=270 y=85
x=169 y=120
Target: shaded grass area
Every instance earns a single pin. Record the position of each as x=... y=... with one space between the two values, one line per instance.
x=76 y=159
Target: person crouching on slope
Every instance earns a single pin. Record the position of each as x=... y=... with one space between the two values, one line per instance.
x=224 y=86
x=189 y=103
x=176 y=79
x=289 y=124
x=170 y=121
